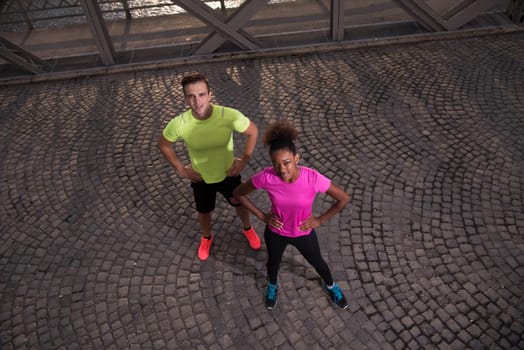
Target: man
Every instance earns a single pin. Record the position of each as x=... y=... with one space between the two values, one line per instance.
x=207 y=131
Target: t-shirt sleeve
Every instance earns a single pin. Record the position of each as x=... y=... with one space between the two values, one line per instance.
x=322 y=183
x=170 y=132
x=259 y=179
x=240 y=121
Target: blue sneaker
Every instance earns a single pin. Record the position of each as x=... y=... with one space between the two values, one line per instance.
x=337 y=296
x=271 y=296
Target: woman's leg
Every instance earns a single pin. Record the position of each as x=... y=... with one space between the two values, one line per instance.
x=308 y=246
x=275 y=248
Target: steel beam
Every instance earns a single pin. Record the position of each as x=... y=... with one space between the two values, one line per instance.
x=468 y=10
x=457 y=8
x=21 y=58
x=516 y=11
x=337 y=20
x=99 y=31
x=235 y=22
x=23 y=10
x=424 y=14
x=126 y=9
x=208 y=16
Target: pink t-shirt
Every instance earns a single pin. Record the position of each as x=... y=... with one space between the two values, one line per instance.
x=291 y=202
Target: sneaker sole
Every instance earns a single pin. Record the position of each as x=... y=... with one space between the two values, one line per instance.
x=251 y=246
x=331 y=300
x=207 y=255
x=202 y=259
x=272 y=307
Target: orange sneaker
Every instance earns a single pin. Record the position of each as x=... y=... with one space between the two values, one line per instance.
x=205 y=246
x=253 y=239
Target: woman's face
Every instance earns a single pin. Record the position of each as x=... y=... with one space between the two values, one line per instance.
x=285 y=164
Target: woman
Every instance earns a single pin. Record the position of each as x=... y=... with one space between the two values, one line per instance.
x=292 y=190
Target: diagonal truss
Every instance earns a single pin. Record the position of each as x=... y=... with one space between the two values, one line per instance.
x=516 y=11
x=21 y=58
x=235 y=23
x=461 y=14
x=99 y=31
x=208 y=16
x=231 y=28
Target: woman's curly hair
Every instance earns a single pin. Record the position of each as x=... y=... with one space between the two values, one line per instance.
x=280 y=135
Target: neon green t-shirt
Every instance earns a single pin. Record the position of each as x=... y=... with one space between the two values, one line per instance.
x=209 y=142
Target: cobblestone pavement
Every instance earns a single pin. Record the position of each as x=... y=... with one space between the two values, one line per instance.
x=99 y=237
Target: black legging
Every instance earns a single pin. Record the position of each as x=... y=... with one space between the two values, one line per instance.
x=306 y=245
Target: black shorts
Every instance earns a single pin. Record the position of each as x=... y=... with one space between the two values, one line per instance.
x=206 y=194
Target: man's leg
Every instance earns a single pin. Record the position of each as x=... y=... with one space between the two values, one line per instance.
x=205 y=197
x=227 y=187
x=207 y=239
x=204 y=219
x=249 y=232
x=243 y=215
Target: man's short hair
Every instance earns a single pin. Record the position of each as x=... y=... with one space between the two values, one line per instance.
x=193 y=78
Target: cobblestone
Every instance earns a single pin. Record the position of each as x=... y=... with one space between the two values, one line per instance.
x=99 y=237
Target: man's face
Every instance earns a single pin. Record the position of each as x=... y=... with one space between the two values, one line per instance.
x=198 y=97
